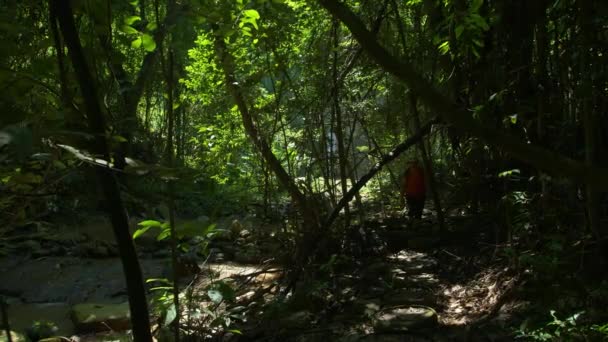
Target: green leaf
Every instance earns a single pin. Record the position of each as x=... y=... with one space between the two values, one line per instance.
x=140 y=232
x=508 y=173
x=132 y=19
x=170 y=315
x=119 y=139
x=128 y=29
x=151 y=26
x=251 y=13
x=163 y=235
x=215 y=296
x=136 y=43
x=161 y=280
x=148 y=42
x=476 y=5
x=444 y=47
x=459 y=29
x=150 y=223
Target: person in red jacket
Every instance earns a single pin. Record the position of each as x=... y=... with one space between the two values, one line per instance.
x=413 y=188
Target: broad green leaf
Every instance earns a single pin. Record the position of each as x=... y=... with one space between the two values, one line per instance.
x=140 y=231
x=163 y=235
x=136 y=43
x=170 y=315
x=215 y=295
x=476 y=5
x=132 y=19
x=128 y=29
x=161 y=280
x=251 y=13
x=459 y=29
x=508 y=173
x=151 y=26
x=148 y=42
x=118 y=138
x=444 y=47
x=150 y=223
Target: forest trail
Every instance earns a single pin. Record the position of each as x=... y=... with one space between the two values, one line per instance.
x=414 y=274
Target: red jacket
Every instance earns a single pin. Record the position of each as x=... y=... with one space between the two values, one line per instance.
x=414 y=185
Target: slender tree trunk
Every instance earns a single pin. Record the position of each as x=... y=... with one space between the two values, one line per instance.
x=589 y=115
x=120 y=223
x=342 y=157
x=171 y=202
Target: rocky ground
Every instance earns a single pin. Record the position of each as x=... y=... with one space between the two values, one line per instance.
x=416 y=290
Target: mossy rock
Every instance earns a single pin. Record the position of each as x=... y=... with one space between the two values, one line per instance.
x=15 y=336
x=92 y=317
x=405 y=318
x=54 y=339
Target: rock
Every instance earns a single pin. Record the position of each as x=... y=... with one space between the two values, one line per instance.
x=244 y=234
x=367 y=307
x=161 y=253
x=54 y=339
x=41 y=329
x=99 y=251
x=15 y=336
x=422 y=243
x=297 y=320
x=409 y=296
x=31 y=246
x=405 y=318
x=248 y=256
x=92 y=317
x=203 y=219
x=376 y=271
x=235 y=228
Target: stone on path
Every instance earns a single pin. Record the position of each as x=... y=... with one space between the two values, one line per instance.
x=91 y=317
x=405 y=318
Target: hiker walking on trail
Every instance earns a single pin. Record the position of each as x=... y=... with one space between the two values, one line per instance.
x=413 y=189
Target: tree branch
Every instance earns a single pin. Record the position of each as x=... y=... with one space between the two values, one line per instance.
x=537 y=156
x=404 y=146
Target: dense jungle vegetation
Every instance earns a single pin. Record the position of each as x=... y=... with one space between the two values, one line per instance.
x=230 y=170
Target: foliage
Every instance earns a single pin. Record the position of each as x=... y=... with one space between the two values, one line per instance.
x=568 y=329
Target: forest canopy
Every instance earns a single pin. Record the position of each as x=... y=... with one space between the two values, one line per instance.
x=299 y=122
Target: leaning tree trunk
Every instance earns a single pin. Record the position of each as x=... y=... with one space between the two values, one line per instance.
x=310 y=216
x=118 y=215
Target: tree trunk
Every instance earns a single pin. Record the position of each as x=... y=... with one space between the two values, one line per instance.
x=342 y=157
x=310 y=227
x=171 y=203
x=120 y=223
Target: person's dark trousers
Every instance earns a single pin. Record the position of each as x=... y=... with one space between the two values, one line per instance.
x=415 y=205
